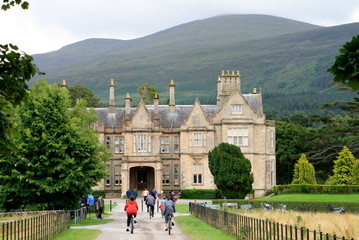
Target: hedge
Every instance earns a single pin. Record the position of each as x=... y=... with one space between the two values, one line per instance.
x=300 y=206
x=315 y=188
x=97 y=193
x=200 y=194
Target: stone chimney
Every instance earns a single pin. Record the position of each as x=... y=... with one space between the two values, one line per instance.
x=227 y=83
x=128 y=101
x=111 y=104
x=64 y=84
x=155 y=106
x=172 y=96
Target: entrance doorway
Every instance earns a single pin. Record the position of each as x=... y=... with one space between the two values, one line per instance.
x=142 y=177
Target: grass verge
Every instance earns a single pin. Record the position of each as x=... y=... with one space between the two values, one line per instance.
x=182 y=208
x=315 y=197
x=197 y=229
x=77 y=234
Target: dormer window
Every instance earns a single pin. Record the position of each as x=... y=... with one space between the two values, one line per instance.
x=237 y=109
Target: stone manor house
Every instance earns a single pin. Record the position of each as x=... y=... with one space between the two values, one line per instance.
x=165 y=147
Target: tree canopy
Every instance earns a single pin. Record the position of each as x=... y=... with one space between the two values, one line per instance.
x=231 y=170
x=304 y=172
x=7 y=4
x=343 y=169
x=147 y=93
x=346 y=66
x=60 y=156
x=78 y=92
x=16 y=68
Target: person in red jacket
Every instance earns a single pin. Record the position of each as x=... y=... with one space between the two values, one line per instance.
x=131 y=208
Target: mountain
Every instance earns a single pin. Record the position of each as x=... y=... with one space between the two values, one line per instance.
x=287 y=59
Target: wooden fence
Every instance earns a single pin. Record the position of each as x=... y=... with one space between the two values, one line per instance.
x=248 y=228
x=35 y=226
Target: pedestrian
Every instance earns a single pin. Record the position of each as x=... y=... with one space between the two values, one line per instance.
x=145 y=194
x=131 y=209
x=135 y=194
x=128 y=193
x=90 y=200
x=100 y=206
x=168 y=208
x=150 y=202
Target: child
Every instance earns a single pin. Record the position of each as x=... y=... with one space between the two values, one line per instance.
x=131 y=208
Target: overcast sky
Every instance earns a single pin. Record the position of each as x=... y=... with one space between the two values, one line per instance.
x=51 y=24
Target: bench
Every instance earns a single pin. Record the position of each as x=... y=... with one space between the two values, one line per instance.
x=233 y=205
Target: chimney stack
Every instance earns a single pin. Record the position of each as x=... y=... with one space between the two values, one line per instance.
x=111 y=104
x=64 y=84
x=128 y=101
x=172 y=96
x=155 y=106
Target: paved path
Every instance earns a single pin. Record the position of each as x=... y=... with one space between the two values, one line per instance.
x=145 y=228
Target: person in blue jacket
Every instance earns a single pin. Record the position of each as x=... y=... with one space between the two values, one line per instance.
x=135 y=194
x=90 y=200
x=128 y=193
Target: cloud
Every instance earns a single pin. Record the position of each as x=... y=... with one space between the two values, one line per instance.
x=49 y=25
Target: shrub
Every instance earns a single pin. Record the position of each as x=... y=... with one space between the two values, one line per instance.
x=315 y=188
x=300 y=206
x=200 y=194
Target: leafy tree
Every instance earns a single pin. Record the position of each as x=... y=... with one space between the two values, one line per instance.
x=291 y=141
x=304 y=172
x=16 y=68
x=147 y=93
x=78 y=92
x=356 y=172
x=11 y=3
x=346 y=66
x=60 y=157
x=328 y=141
x=343 y=169
x=231 y=170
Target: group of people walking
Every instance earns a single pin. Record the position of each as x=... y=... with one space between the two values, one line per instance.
x=150 y=198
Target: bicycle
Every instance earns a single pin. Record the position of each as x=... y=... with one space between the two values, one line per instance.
x=132 y=224
x=169 y=217
x=150 y=211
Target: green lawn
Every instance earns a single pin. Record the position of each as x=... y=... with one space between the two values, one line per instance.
x=88 y=234
x=315 y=197
x=182 y=208
x=197 y=229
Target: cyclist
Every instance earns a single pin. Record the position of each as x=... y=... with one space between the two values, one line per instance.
x=150 y=202
x=168 y=208
x=131 y=208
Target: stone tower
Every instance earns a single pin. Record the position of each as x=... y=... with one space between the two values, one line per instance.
x=227 y=83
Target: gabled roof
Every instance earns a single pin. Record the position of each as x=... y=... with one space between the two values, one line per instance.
x=167 y=118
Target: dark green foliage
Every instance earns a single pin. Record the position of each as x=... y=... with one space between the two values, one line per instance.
x=16 y=68
x=97 y=193
x=231 y=170
x=200 y=194
x=315 y=188
x=291 y=141
x=78 y=92
x=346 y=66
x=7 y=4
x=301 y=206
x=60 y=157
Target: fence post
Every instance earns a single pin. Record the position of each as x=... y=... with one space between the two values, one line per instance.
x=110 y=205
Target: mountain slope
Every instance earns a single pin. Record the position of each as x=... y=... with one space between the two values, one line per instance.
x=284 y=57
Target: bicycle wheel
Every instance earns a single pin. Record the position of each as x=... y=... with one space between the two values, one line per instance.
x=169 y=224
x=132 y=224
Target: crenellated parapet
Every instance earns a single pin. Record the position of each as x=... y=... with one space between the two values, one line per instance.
x=228 y=82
